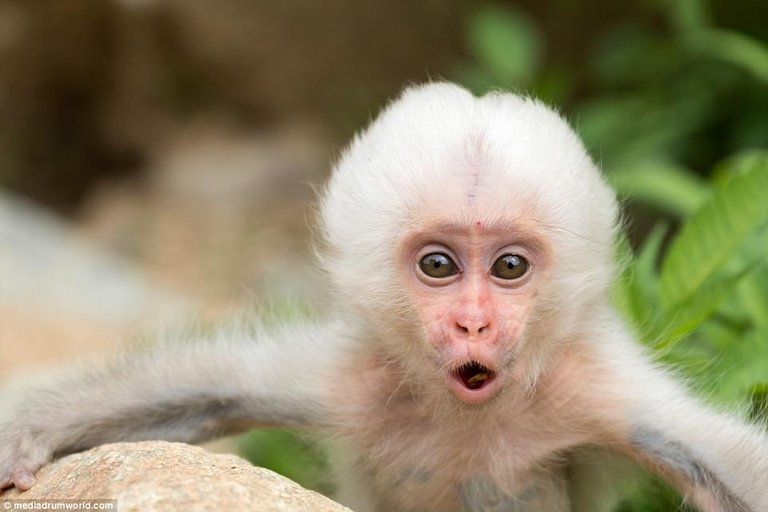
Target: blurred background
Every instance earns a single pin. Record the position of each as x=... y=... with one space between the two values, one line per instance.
x=159 y=159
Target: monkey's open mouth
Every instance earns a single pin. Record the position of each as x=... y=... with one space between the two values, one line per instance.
x=474 y=375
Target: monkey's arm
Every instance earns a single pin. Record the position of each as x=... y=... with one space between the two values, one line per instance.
x=181 y=392
x=718 y=462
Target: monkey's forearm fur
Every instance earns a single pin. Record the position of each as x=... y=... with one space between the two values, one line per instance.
x=189 y=391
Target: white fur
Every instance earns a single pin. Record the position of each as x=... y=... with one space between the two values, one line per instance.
x=439 y=135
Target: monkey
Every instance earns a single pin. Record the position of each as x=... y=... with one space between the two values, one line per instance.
x=471 y=353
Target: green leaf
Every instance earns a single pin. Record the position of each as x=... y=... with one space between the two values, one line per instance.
x=713 y=235
x=683 y=319
x=638 y=286
x=624 y=295
x=506 y=42
x=655 y=130
x=288 y=454
x=476 y=77
x=758 y=398
x=632 y=55
x=753 y=295
x=738 y=163
x=666 y=186
x=689 y=14
x=732 y=47
x=744 y=363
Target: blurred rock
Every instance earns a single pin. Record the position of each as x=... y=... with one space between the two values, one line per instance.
x=219 y=224
x=61 y=297
x=88 y=88
x=222 y=214
x=168 y=477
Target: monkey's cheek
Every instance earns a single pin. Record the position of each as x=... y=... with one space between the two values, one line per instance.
x=474 y=396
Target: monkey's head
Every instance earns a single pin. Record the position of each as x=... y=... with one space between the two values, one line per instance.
x=473 y=234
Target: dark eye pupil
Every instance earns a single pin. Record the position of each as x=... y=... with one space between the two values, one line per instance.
x=437 y=265
x=510 y=266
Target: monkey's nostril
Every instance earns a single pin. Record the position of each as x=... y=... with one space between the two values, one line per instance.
x=472 y=330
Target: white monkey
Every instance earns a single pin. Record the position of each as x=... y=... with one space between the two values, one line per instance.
x=474 y=352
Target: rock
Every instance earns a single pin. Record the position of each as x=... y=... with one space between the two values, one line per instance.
x=168 y=477
x=60 y=295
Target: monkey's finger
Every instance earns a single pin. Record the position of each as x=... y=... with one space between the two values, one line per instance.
x=5 y=482
x=23 y=479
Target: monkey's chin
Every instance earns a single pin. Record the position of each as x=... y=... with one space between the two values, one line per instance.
x=473 y=383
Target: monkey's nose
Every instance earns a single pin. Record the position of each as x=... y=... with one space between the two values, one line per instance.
x=472 y=329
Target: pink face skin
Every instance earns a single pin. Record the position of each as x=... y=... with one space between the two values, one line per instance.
x=478 y=312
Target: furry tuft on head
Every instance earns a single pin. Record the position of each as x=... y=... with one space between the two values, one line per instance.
x=440 y=151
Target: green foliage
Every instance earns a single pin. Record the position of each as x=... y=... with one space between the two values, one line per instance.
x=696 y=258
x=656 y=497
x=736 y=49
x=705 y=262
x=506 y=44
x=663 y=185
x=759 y=402
x=288 y=454
x=677 y=111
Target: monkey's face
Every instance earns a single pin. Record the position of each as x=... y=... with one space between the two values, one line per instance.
x=470 y=234
x=473 y=284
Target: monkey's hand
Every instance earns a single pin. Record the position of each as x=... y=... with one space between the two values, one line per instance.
x=21 y=455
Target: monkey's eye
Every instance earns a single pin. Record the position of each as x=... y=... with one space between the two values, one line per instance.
x=510 y=266
x=438 y=265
